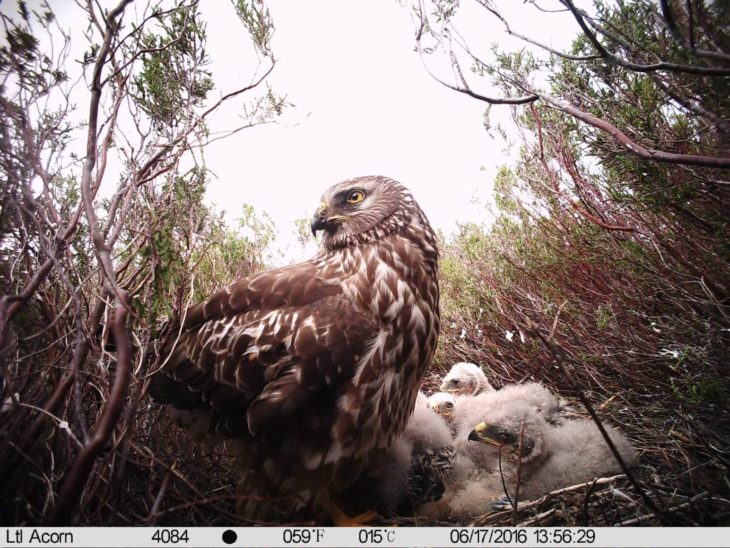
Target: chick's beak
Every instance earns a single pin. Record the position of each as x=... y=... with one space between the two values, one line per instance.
x=486 y=433
x=476 y=434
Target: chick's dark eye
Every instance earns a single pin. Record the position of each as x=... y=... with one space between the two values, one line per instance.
x=508 y=437
x=355 y=197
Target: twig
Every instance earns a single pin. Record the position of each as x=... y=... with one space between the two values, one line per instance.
x=78 y=474
x=637 y=67
x=559 y=355
x=153 y=515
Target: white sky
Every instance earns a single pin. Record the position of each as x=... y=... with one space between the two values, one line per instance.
x=364 y=105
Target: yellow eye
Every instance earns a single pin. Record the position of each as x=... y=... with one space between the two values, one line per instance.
x=355 y=197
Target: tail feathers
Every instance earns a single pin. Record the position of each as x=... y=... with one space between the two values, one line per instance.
x=199 y=425
x=263 y=503
x=164 y=389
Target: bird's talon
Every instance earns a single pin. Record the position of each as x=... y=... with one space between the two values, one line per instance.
x=502 y=503
x=358 y=521
x=341 y=519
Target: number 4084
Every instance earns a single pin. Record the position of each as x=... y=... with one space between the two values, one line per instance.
x=170 y=536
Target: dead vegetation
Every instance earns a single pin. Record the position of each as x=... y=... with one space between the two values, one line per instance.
x=605 y=276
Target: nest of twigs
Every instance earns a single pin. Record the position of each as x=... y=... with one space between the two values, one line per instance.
x=684 y=489
x=156 y=476
x=604 y=502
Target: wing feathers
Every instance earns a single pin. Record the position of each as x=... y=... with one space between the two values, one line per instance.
x=294 y=285
x=267 y=347
x=281 y=399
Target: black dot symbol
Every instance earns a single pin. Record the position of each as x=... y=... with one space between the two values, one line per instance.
x=229 y=536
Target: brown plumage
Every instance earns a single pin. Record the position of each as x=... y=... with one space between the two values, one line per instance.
x=314 y=368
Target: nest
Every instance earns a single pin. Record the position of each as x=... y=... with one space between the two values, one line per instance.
x=153 y=475
x=604 y=502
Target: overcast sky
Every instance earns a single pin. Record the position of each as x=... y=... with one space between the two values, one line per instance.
x=363 y=105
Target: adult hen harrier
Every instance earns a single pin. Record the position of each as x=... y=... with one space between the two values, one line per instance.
x=314 y=368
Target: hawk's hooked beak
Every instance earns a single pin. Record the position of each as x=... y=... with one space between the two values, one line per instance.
x=493 y=435
x=323 y=221
x=488 y=433
x=480 y=434
x=317 y=224
x=450 y=386
x=320 y=218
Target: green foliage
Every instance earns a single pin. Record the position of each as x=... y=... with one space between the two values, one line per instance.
x=21 y=55
x=188 y=245
x=701 y=392
x=504 y=186
x=620 y=263
x=255 y=17
x=233 y=253
x=173 y=80
x=303 y=230
x=461 y=293
x=603 y=316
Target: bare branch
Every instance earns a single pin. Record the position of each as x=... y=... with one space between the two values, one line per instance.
x=76 y=479
x=523 y=100
x=631 y=145
x=674 y=29
x=599 y=123
x=233 y=94
x=492 y=9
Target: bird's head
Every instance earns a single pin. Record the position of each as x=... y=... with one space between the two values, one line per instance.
x=466 y=379
x=515 y=428
x=362 y=209
x=443 y=403
x=498 y=436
